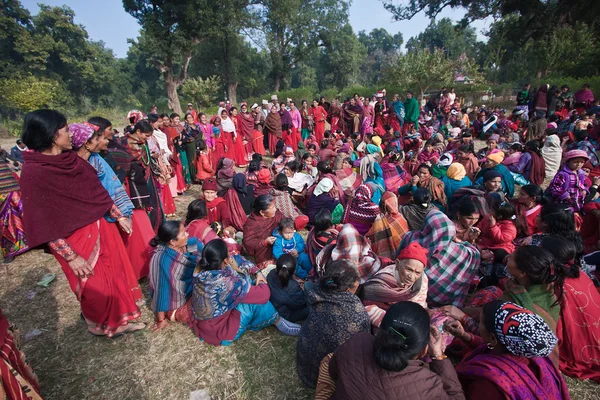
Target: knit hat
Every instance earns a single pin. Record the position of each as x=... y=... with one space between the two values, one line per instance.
x=495 y=137
x=522 y=332
x=496 y=157
x=413 y=251
x=264 y=175
x=324 y=186
x=568 y=155
x=210 y=184
x=491 y=174
x=456 y=171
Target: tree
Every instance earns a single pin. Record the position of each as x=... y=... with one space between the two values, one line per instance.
x=443 y=34
x=341 y=58
x=422 y=69
x=291 y=28
x=170 y=32
x=30 y=93
x=203 y=91
x=382 y=50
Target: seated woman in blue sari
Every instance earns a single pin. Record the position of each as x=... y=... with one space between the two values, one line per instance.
x=494 y=163
x=171 y=268
x=225 y=303
x=372 y=173
x=455 y=178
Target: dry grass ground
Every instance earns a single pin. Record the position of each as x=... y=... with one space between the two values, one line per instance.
x=73 y=364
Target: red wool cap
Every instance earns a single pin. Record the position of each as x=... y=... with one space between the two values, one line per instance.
x=209 y=184
x=414 y=251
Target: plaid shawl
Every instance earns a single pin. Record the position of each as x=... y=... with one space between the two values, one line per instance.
x=397 y=222
x=349 y=180
x=452 y=266
x=382 y=238
x=353 y=247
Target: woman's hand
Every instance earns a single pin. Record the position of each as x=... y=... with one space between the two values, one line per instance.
x=435 y=343
x=456 y=329
x=453 y=312
x=473 y=234
x=415 y=180
x=81 y=268
x=270 y=240
x=125 y=225
x=492 y=220
x=159 y=325
x=260 y=278
x=294 y=253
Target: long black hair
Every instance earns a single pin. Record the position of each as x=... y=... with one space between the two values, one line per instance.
x=213 y=255
x=285 y=266
x=340 y=275
x=403 y=336
x=167 y=231
x=196 y=210
x=541 y=268
x=558 y=219
x=534 y=147
x=565 y=252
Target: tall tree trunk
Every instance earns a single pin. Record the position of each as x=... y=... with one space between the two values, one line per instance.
x=232 y=92
x=172 y=94
x=278 y=78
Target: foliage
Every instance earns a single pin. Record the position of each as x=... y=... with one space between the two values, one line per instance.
x=443 y=34
x=342 y=56
x=204 y=92
x=382 y=50
x=29 y=93
x=422 y=69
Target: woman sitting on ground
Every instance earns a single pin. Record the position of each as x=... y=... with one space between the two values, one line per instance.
x=322 y=197
x=451 y=265
x=239 y=198
x=529 y=207
x=418 y=209
x=286 y=294
x=284 y=203
x=493 y=163
x=353 y=247
x=225 y=303
x=361 y=212
x=510 y=357
x=323 y=233
x=578 y=330
x=258 y=241
x=388 y=228
x=391 y=363
x=424 y=179
x=196 y=222
x=455 y=178
x=335 y=313
x=225 y=174
x=171 y=268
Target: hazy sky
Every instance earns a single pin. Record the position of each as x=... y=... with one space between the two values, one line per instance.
x=106 y=20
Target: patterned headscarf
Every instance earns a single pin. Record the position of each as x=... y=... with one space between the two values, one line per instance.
x=81 y=134
x=361 y=208
x=522 y=332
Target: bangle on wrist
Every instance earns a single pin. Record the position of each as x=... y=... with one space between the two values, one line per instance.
x=439 y=357
x=121 y=218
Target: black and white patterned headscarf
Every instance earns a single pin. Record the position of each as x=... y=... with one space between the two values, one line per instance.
x=522 y=332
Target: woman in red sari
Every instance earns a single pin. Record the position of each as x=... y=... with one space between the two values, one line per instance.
x=239 y=147
x=64 y=205
x=227 y=134
x=319 y=116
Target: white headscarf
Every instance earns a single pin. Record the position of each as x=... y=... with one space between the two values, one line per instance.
x=324 y=186
x=552 y=153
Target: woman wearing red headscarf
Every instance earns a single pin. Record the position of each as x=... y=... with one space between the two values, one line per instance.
x=64 y=205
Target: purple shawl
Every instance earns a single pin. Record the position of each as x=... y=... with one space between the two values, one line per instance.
x=286 y=118
x=316 y=203
x=512 y=376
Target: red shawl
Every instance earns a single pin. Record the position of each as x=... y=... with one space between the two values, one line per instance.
x=246 y=126
x=200 y=228
x=538 y=169
x=256 y=229
x=61 y=194
x=236 y=210
x=211 y=208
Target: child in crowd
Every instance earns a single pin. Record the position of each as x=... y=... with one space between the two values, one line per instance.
x=203 y=164
x=514 y=155
x=288 y=241
x=286 y=294
x=308 y=166
x=568 y=186
x=498 y=230
x=428 y=154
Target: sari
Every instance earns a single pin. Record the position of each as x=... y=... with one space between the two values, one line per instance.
x=512 y=376
x=351 y=115
x=256 y=229
x=17 y=379
x=354 y=247
x=246 y=133
x=368 y=116
x=227 y=135
x=13 y=239
x=240 y=199
x=451 y=266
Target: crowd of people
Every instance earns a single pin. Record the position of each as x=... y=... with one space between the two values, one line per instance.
x=418 y=247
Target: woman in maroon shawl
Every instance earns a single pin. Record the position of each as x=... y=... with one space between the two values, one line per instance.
x=246 y=131
x=273 y=129
x=258 y=241
x=540 y=104
x=240 y=199
x=510 y=358
x=352 y=113
x=64 y=205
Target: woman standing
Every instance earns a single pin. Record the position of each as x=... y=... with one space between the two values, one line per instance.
x=246 y=131
x=241 y=159
x=191 y=134
x=273 y=129
x=64 y=205
x=306 y=120
x=319 y=116
x=227 y=134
